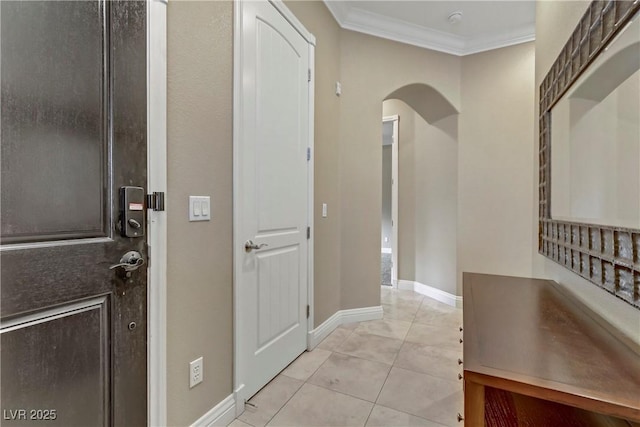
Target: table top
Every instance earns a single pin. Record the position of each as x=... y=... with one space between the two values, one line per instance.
x=530 y=337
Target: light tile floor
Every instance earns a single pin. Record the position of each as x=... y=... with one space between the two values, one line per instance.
x=398 y=371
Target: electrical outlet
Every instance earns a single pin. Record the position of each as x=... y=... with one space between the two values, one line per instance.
x=196 y=372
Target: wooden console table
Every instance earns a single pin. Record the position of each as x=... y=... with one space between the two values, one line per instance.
x=533 y=356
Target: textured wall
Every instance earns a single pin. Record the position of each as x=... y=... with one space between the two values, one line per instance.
x=199 y=270
x=555 y=22
x=371 y=69
x=496 y=162
x=327 y=250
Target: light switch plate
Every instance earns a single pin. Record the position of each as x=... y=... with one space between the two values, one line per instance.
x=199 y=208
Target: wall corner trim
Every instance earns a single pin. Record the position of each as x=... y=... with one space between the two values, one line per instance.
x=431 y=292
x=220 y=415
x=341 y=317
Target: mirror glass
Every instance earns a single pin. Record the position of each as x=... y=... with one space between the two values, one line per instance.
x=595 y=147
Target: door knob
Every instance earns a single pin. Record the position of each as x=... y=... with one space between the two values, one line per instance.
x=249 y=246
x=130 y=261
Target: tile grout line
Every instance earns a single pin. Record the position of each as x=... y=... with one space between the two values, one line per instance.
x=343 y=393
x=370 y=412
x=351 y=331
x=388 y=373
x=372 y=360
x=338 y=344
x=385 y=380
x=303 y=383
x=382 y=388
x=316 y=370
x=284 y=404
x=299 y=388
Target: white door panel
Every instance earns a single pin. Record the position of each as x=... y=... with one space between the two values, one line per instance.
x=271 y=196
x=281 y=153
x=278 y=293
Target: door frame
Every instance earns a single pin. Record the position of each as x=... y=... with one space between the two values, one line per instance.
x=157 y=221
x=394 y=197
x=238 y=373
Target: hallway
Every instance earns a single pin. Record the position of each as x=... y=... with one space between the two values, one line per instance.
x=398 y=371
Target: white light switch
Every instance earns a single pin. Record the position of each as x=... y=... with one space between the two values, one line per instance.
x=199 y=208
x=338 y=89
x=324 y=210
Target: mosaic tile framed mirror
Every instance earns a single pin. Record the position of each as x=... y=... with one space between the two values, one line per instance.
x=589 y=178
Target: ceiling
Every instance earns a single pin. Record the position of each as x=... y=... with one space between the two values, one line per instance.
x=485 y=24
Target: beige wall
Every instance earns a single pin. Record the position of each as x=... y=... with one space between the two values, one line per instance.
x=427 y=197
x=348 y=173
x=327 y=249
x=199 y=271
x=372 y=68
x=348 y=154
x=496 y=162
x=555 y=22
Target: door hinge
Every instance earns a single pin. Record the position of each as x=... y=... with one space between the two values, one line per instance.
x=148 y=254
x=155 y=201
x=308 y=232
x=308 y=153
x=308 y=311
x=309 y=75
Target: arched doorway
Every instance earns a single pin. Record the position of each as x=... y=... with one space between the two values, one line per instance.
x=425 y=186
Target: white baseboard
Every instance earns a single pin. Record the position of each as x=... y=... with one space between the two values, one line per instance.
x=340 y=317
x=316 y=336
x=221 y=415
x=431 y=292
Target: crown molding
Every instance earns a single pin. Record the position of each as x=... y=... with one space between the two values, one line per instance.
x=338 y=9
x=362 y=21
x=526 y=33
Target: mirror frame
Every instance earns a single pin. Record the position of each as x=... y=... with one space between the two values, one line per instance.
x=605 y=255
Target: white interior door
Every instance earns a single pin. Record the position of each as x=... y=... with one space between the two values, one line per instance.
x=271 y=196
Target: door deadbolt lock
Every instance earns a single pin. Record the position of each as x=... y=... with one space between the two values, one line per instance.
x=132 y=200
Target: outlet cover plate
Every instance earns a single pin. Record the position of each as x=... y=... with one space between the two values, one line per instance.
x=196 y=372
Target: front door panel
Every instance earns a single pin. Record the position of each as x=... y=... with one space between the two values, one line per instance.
x=52 y=121
x=65 y=346
x=72 y=330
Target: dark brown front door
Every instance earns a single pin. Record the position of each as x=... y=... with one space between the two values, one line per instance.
x=73 y=332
